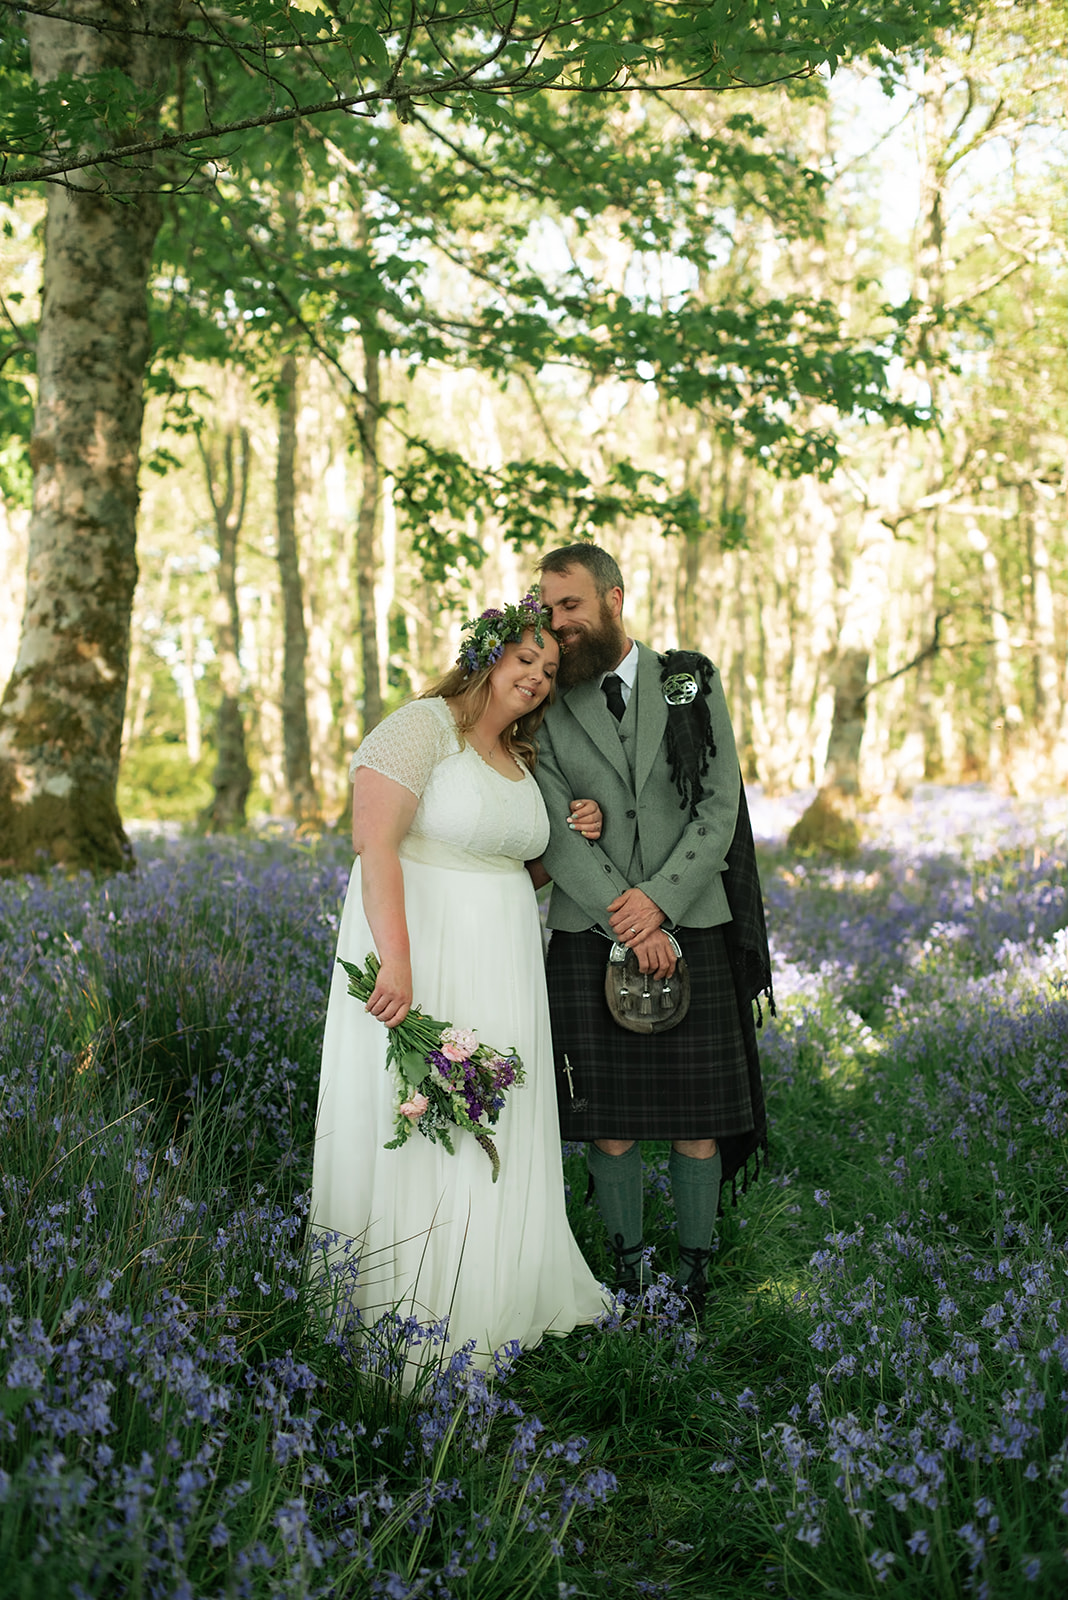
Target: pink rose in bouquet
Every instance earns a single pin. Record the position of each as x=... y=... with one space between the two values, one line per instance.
x=459 y=1044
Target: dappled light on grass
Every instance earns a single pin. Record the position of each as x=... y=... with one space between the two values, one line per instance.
x=876 y=1398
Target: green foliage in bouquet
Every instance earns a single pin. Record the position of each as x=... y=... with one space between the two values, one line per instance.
x=446 y=1077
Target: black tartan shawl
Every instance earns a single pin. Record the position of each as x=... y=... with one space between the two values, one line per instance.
x=747 y=931
x=690 y=745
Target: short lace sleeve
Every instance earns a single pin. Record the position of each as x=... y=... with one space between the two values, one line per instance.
x=408 y=745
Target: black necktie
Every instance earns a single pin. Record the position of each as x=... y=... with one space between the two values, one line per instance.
x=612 y=685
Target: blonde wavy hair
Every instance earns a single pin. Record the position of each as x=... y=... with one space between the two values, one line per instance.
x=471 y=693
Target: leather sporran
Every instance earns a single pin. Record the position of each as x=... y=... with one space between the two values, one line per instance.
x=638 y=1001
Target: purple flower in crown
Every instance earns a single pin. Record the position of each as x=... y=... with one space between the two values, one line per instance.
x=484 y=637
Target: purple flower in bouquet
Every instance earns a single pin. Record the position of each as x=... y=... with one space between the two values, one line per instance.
x=446 y=1078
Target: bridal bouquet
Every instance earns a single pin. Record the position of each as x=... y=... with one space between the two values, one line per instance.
x=448 y=1079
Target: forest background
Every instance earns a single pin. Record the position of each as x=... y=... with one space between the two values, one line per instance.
x=793 y=353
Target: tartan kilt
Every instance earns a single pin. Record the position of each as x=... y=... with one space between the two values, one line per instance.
x=700 y=1080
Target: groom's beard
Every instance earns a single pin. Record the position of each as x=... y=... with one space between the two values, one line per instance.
x=591 y=651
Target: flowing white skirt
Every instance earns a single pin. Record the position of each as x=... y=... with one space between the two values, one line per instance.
x=436 y=1236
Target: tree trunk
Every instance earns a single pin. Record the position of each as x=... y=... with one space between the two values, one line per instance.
x=296 y=741
x=829 y=823
x=842 y=773
x=190 y=702
x=1048 y=717
x=232 y=777
x=139 y=684
x=1003 y=712
x=687 y=574
x=62 y=713
x=367 y=418
x=137 y=715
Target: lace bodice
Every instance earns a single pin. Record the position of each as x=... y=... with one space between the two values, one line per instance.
x=463 y=803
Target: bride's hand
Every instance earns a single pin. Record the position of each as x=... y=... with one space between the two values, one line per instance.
x=586 y=818
x=391 y=998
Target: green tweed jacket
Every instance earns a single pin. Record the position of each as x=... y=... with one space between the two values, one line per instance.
x=580 y=755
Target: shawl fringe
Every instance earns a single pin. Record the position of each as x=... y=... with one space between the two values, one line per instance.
x=690 y=743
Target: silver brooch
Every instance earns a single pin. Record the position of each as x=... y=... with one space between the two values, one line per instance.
x=680 y=689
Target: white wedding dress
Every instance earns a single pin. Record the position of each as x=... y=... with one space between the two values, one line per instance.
x=436 y=1236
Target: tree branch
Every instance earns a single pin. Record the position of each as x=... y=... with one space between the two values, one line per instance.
x=930 y=649
x=106 y=25
x=503 y=180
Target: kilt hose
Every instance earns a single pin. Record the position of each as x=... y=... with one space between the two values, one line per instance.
x=700 y=1080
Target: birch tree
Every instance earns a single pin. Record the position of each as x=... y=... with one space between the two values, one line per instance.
x=296 y=739
x=226 y=462
x=94 y=117
x=62 y=712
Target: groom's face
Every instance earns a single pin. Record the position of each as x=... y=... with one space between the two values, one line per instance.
x=586 y=623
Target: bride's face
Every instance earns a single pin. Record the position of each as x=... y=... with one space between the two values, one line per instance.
x=524 y=675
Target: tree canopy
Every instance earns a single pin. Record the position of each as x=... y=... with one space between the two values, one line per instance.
x=258 y=63
x=367 y=183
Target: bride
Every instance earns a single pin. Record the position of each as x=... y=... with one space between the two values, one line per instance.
x=445 y=813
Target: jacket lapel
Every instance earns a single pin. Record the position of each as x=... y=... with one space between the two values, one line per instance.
x=587 y=705
x=652 y=716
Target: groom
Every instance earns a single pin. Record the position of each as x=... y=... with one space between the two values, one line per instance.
x=650 y=738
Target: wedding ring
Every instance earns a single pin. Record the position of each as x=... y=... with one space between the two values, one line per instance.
x=634 y=930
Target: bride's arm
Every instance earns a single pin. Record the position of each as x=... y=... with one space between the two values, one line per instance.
x=538 y=875
x=382 y=813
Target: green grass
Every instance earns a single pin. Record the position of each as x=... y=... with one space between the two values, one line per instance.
x=888 y=1301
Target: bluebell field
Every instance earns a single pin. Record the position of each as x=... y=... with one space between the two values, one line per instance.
x=876 y=1403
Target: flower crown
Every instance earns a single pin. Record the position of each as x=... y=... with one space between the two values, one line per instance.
x=484 y=637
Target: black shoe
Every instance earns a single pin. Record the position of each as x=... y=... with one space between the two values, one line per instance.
x=628 y=1266
x=690 y=1284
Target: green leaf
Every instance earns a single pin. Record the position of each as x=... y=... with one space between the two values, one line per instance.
x=412 y=1066
x=368 y=45
x=600 y=65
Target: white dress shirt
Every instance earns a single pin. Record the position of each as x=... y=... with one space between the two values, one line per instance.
x=626 y=672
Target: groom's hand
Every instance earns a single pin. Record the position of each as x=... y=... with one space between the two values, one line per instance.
x=655 y=955
x=633 y=917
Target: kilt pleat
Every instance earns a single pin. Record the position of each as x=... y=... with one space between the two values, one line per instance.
x=700 y=1080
